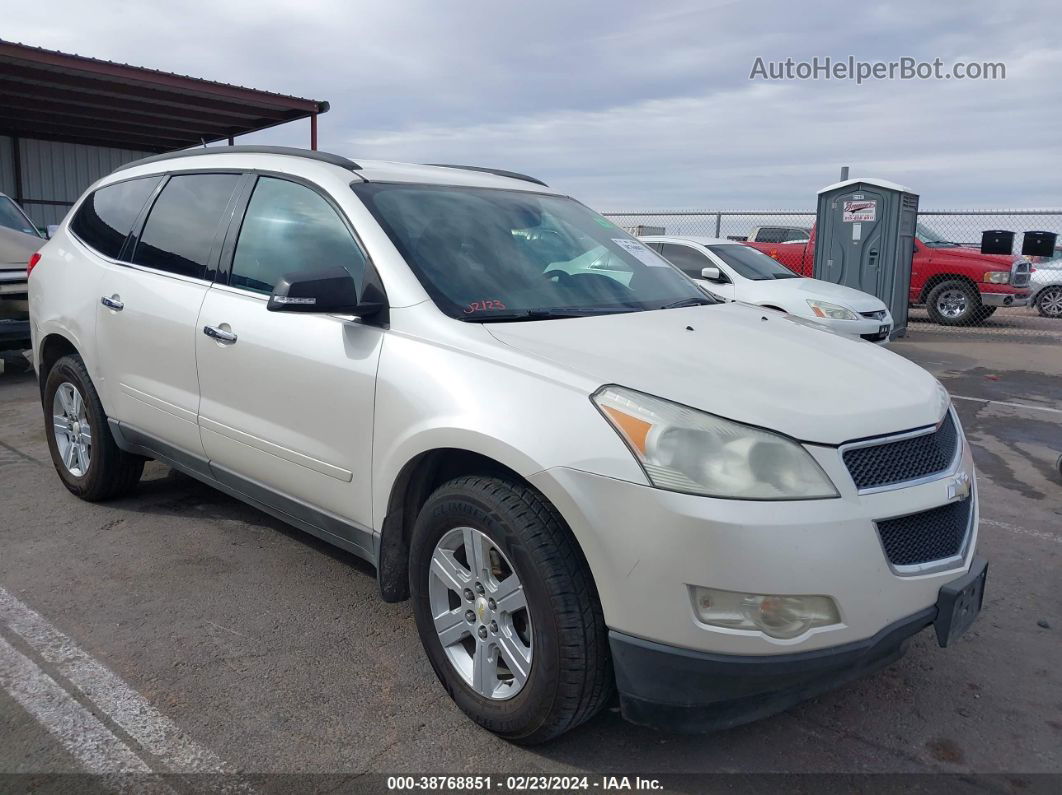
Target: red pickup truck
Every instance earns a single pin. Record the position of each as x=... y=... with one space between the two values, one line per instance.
x=958 y=284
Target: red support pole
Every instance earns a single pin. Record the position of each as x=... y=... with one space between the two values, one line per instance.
x=313 y=132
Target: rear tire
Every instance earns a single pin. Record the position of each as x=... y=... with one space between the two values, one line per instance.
x=1049 y=302
x=954 y=303
x=84 y=453
x=568 y=666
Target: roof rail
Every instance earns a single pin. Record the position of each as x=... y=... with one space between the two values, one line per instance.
x=324 y=157
x=496 y=171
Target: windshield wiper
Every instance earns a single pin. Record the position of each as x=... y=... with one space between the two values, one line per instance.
x=691 y=301
x=541 y=314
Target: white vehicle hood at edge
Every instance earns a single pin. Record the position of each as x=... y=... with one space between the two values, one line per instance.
x=745 y=364
x=803 y=289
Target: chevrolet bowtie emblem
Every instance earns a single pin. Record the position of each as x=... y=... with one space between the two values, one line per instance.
x=959 y=488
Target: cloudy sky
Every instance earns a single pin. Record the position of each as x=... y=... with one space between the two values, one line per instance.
x=626 y=104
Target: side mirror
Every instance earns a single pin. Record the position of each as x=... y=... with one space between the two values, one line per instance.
x=711 y=273
x=324 y=291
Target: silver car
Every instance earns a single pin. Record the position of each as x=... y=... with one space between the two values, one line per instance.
x=1046 y=287
x=18 y=241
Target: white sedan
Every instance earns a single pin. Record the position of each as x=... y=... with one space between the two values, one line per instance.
x=735 y=272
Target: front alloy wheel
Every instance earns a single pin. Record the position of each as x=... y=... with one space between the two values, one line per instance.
x=952 y=304
x=480 y=613
x=507 y=609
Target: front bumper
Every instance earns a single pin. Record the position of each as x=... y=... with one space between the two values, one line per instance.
x=869 y=329
x=689 y=691
x=646 y=547
x=1005 y=299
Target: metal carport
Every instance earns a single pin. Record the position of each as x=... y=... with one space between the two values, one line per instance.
x=66 y=120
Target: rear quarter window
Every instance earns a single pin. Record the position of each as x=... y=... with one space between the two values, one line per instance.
x=105 y=218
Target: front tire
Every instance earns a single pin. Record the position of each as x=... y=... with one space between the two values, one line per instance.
x=954 y=303
x=507 y=609
x=1049 y=302
x=83 y=450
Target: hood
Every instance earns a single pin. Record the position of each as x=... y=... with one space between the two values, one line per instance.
x=1001 y=261
x=16 y=248
x=802 y=289
x=744 y=363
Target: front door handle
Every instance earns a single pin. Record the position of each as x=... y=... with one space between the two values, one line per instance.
x=219 y=334
x=112 y=302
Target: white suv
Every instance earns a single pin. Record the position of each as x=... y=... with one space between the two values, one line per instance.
x=586 y=474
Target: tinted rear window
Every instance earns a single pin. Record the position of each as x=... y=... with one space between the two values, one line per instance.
x=180 y=230
x=105 y=218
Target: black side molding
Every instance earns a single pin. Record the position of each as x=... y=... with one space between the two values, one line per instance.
x=326 y=526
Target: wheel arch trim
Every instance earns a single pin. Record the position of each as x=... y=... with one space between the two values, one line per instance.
x=54 y=335
x=410 y=477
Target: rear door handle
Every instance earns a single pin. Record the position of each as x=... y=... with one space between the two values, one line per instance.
x=219 y=334
x=112 y=302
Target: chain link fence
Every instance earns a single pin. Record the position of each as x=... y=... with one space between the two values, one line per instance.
x=1042 y=317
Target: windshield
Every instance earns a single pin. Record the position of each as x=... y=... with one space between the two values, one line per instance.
x=12 y=217
x=484 y=254
x=751 y=264
x=931 y=238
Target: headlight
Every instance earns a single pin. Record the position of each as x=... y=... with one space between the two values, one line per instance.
x=776 y=616
x=832 y=311
x=682 y=449
x=997 y=277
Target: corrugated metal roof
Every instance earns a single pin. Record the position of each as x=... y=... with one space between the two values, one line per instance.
x=54 y=95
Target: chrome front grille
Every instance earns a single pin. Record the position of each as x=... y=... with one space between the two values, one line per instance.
x=879 y=315
x=876 y=464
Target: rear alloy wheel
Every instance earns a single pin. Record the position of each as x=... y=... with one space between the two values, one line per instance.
x=73 y=431
x=1049 y=302
x=83 y=450
x=507 y=609
x=954 y=303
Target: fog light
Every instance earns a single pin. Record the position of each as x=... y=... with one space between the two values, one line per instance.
x=776 y=616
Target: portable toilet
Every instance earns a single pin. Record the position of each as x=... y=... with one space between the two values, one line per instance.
x=864 y=238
